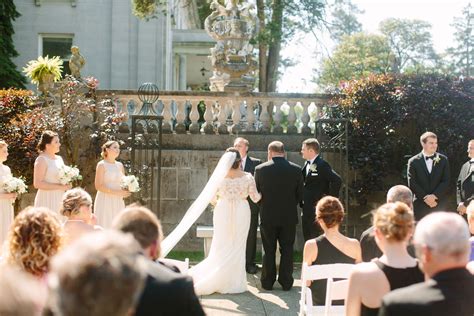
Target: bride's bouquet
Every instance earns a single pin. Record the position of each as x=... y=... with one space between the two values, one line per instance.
x=69 y=174
x=130 y=183
x=14 y=185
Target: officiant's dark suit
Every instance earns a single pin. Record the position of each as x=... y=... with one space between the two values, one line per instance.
x=422 y=182
x=281 y=184
x=319 y=180
x=250 y=252
x=465 y=183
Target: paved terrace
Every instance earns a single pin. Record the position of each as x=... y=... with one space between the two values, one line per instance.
x=256 y=301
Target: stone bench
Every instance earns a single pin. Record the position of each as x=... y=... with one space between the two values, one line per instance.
x=206 y=232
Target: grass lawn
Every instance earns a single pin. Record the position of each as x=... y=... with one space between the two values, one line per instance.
x=197 y=256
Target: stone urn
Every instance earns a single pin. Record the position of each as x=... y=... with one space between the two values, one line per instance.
x=46 y=83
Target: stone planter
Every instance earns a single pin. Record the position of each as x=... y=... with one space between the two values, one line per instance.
x=46 y=83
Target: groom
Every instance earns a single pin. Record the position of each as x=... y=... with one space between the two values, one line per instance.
x=428 y=177
x=281 y=184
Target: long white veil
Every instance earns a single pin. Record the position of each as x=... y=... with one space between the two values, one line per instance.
x=200 y=204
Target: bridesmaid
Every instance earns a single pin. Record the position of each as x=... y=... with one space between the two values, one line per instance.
x=109 y=199
x=46 y=173
x=6 y=199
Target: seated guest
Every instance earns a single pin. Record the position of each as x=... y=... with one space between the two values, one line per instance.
x=22 y=294
x=330 y=247
x=369 y=282
x=77 y=208
x=442 y=245
x=470 y=220
x=102 y=273
x=370 y=250
x=166 y=292
x=34 y=238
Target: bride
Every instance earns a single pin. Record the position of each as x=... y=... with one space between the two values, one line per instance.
x=223 y=271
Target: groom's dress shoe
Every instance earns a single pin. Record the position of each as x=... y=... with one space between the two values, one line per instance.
x=267 y=288
x=251 y=269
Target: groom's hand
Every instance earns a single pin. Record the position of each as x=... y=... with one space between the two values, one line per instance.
x=431 y=200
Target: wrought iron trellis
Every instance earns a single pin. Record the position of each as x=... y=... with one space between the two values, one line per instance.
x=146 y=140
x=332 y=133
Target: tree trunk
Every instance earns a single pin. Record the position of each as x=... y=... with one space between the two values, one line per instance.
x=275 y=46
x=262 y=48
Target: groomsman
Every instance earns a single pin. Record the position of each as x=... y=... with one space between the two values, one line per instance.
x=319 y=180
x=248 y=165
x=281 y=185
x=465 y=183
x=428 y=177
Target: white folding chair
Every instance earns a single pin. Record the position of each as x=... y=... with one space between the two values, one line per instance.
x=183 y=266
x=335 y=290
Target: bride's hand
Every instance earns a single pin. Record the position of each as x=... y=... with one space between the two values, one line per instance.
x=9 y=196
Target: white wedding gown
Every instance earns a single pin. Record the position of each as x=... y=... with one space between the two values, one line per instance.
x=223 y=271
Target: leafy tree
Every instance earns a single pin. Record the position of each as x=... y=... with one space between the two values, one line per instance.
x=463 y=53
x=279 y=21
x=344 y=19
x=410 y=42
x=9 y=75
x=356 y=56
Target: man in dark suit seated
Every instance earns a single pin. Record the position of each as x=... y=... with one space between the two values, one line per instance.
x=166 y=292
x=465 y=183
x=442 y=246
x=370 y=250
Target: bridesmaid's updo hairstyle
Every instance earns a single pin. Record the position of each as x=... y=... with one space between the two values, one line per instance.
x=330 y=210
x=73 y=200
x=105 y=146
x=238 y=159
x=394 y=220
x=46 y=138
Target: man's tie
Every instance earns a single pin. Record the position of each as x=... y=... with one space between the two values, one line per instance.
x=430 y=157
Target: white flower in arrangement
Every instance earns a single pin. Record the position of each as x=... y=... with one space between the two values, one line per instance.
x=69 y=174
x=130 y=183
x=313 y=168
x=14 y=185
x=436 y=159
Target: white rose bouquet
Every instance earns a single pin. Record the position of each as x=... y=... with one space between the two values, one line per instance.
x=14 y=185
x=69 y=174
x=130 y=183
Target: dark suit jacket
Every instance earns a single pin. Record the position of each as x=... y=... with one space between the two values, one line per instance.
x=250 y=164
x=465 y=184
x=448 y=293
x=323 y=181
x=422 y=183
x=369 y=247
x=167 y=293
x=281 y=184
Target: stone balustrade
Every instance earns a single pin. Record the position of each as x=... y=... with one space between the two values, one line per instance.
x=228 y=113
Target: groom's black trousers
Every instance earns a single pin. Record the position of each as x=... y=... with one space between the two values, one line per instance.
x=285 y=235
x=251 y=248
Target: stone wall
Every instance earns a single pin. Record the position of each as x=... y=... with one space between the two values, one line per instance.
x=187 y=163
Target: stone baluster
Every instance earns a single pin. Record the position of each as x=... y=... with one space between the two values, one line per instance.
x=167 y=116
x=208 y=117
x=305 y=129
x=236 y=116
x=222 y=118
x=292 y=129
x=277 y=128
x=250 y=117
x=194 y=117
x=180 y=117
x=265 y=117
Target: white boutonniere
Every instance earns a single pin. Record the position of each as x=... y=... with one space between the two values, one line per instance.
x=313 y=168
x=436 y=159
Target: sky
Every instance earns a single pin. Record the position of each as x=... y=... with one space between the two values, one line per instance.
x=439 y=13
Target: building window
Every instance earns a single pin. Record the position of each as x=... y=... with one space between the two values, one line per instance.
x=57 y=45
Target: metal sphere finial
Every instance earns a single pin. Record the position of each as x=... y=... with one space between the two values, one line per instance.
x=148 y=92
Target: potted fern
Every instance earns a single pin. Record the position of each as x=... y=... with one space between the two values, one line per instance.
x=44 y=71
